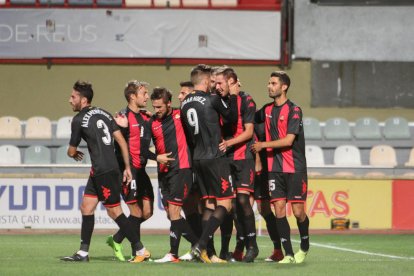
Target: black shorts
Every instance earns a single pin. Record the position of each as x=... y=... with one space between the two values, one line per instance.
x=213 y=178
x=106 y=187
x=175 y=186
x=242 y=175
x=292 y=187
x=261 y=186
x=140 y=187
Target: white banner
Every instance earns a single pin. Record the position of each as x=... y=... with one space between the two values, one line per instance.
x=54 y=204
x=166 y=33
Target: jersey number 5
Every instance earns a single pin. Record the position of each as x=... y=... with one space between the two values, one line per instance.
x=107 y=138
x=193 y=119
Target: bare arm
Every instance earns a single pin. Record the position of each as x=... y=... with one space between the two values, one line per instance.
x=119 y=138
x=246 y=135
x=74 y=153
x=281 y=143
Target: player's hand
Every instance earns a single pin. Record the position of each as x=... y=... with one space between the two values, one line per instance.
x=78 y=156
x=149 y=113
x=234 y=88
x=256 y=147
x=121 y=120
x=127 y=176
x=165 y=159
x=223 y=146
x=258 y=167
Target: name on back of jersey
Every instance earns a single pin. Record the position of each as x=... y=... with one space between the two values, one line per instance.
x=90 y=113
x=199 y=99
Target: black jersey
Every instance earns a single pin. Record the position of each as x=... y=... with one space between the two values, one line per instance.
x=138 y=137
x=201 y=116
x=280 y=121
x=96 y=127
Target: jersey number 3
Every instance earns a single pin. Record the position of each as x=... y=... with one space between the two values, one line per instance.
x=107 y=138
x=193 y=119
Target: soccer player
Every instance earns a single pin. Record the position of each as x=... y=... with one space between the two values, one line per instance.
x=262 y=197
x=98 y=128
x=138 y=195
x=174 y=169
x=238 y=138
x=201 y=114
x=285 y=148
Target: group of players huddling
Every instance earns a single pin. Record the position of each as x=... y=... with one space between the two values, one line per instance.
x=216 y=155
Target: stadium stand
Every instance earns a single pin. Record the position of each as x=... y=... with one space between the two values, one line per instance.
x=312 y=128
x=138 y=3
x=10 y=155
x=166 y=3
x=22 y=2
x=195 y=3
x=80 y=2
x=37 y=155
x=62 y=156
x=396 y=128
x=314 y=156
x=337 y=129
x=410 y=162
x=52 y=2
x=63 y=127
x=347 y=155
x=38 y=128
x=224 y=3
x=383 y=155
x=112 y=3
x=10 y=128
x=367 y=128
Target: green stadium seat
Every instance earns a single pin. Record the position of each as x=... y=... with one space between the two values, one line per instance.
x=37 y=155
x=10 y=155
x=396 y=128
x=314 y=156
x=62 y=156
x=112 y=3
x=22 y=2
x=337 y=129
x=80 y=2
x=367 y=128
x=312 y=128
x=347 y=155
x=52 y=2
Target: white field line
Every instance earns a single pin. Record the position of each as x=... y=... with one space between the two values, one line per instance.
x=357 y=251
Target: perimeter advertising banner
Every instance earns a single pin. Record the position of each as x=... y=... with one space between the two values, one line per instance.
x=367 y=202
x=54 y=204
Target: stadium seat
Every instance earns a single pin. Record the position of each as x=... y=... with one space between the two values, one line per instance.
x=337 y=129
x=312 y=128
x=367 y=128
x=38 y=128
x=347 y=155
x=63 y=128
x=224 y=3
x=383 y=155
x=112 y=3
x=63 y=158
x=37 y=155
x=2 y=2
x=22 y=2
x=10 y=155
x=10 y=128
x=86 y=157
x=396 y=128
x=138 y=3
x=80 y=2
x=166 y=3
x=314 y=156
x=52 y=2
x=410 y=162
x=195 y=3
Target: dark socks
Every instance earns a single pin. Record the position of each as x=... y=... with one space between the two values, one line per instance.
x=175 y=236
x=246 y=217
x=284 y=231
x=136 y=222
x=213 y=223
x=88 y=223
x=226 y=229
x=304 y=234
x=129 y=231
x=194 y=221
x=187 y=232
x=272 y=230
x=210 y=243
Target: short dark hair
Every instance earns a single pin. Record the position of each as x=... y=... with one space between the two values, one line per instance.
x=186 y=84
x=283 y=77
x=198 y=72
x=161 y=93
x=85 y=89
x=228 y=73
x=132 y=86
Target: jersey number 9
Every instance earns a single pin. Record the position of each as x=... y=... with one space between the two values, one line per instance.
x=193 y=119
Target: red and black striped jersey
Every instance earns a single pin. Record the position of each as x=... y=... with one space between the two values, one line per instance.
x=280 y=121
x=246 y=108
x=168 y=136
x=138 y=137
x=96 y=126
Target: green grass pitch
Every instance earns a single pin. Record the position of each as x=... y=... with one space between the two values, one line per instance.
x=329 y=255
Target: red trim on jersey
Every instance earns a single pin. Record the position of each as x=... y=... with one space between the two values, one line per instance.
x=278 y=199
x=245 y=189
x=224 y=198
x=183 y=151
x=147 y=198
x=111 y=205
x=156 y=128
x=269 y=151
x=131 y=201
x=92 y=196
x=288 y=166
x=297 y=201
x=134 y=139
x=174 y=203
x=240 y=150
